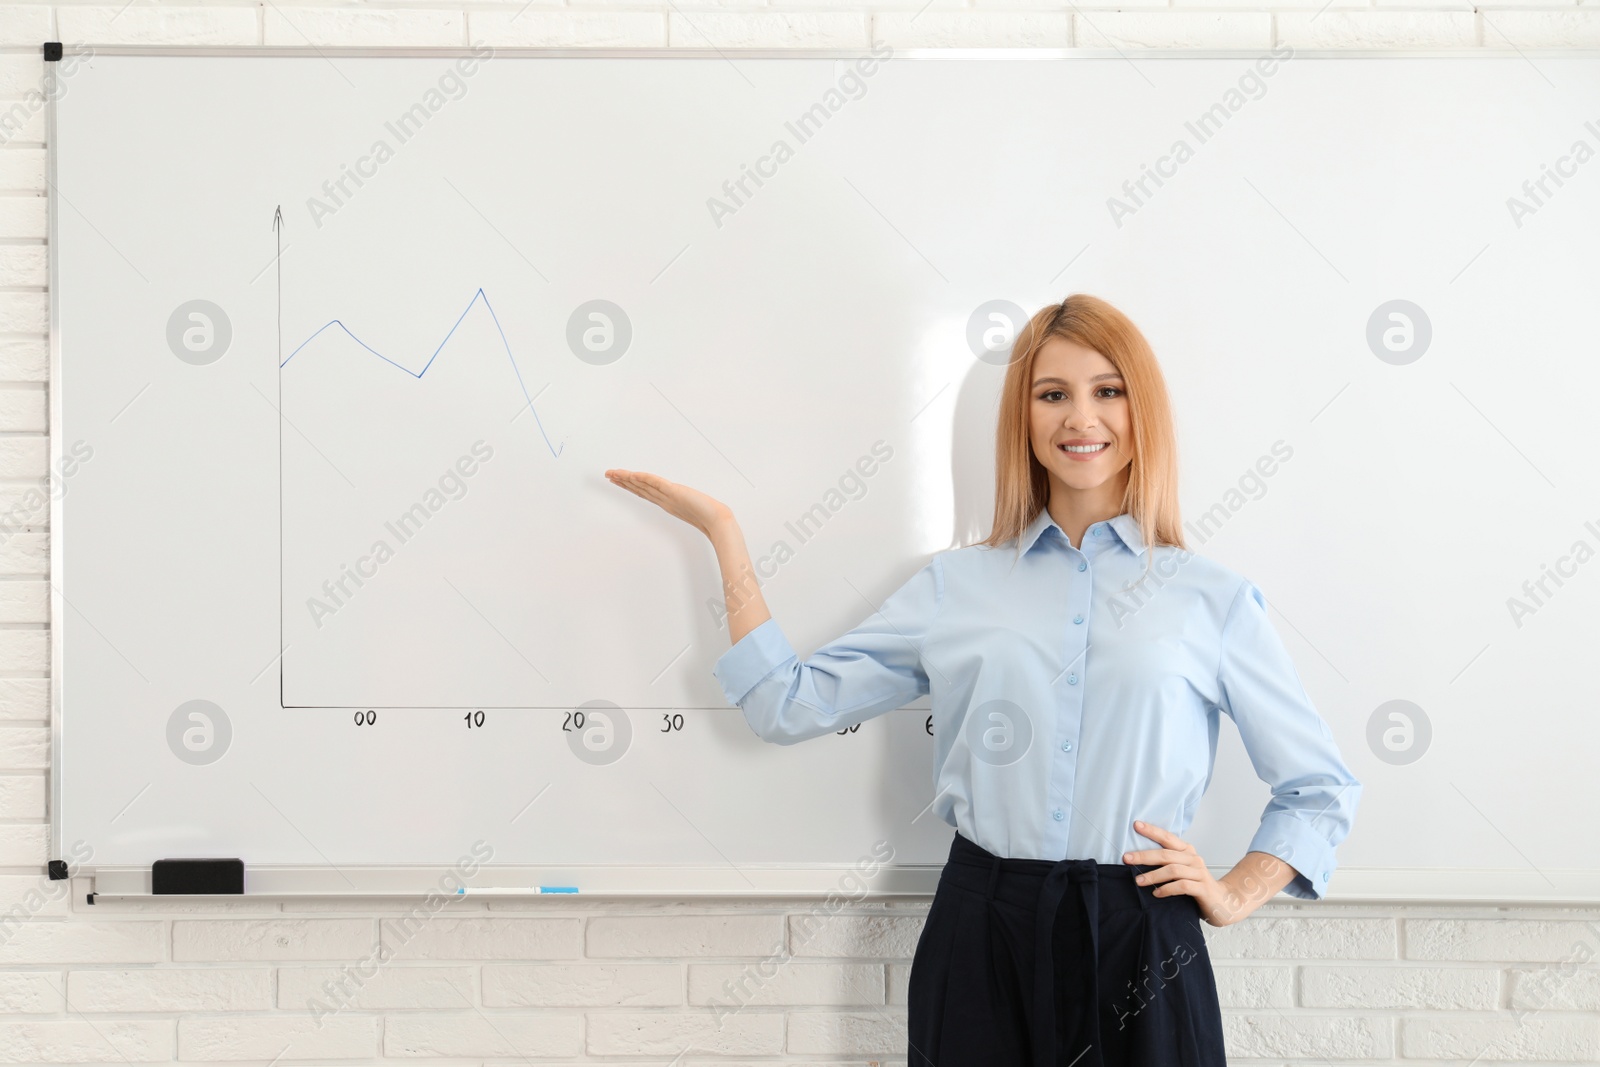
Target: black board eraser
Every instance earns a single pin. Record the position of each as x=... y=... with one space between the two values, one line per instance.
x=197 y=876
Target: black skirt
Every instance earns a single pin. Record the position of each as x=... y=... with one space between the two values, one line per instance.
x=1036 y=963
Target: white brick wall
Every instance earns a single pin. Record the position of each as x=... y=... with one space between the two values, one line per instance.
x=659 y=983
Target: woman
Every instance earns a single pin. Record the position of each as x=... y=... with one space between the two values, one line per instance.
x=1079 y=660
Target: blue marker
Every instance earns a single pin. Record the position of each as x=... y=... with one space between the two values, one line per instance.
x=542 y=889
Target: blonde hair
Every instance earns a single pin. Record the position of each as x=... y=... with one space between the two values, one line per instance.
x=1022 y=485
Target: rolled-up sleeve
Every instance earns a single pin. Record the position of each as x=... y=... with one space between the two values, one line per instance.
x=1314 y=795
x=874 y=668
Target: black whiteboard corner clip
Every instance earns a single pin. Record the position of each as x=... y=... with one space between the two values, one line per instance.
x=52 y=51
x=58 y=870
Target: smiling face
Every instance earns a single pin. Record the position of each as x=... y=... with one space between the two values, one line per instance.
x=1079 y=422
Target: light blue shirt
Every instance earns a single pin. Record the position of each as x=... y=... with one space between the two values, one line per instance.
x=1073 y=692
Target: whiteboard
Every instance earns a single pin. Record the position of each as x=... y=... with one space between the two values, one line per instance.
x=566 y=262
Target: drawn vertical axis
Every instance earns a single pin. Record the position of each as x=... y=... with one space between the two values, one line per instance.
x=277 y=228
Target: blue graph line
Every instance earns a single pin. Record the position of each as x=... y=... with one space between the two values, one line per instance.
x=554 y=451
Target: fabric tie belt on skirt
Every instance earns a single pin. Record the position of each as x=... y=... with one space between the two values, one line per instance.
x=1085 y=874
x=1058 y=875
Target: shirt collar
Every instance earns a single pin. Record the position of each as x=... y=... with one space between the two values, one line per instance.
x=1125 y=526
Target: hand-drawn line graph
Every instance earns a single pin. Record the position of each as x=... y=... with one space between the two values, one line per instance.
x=555 y=450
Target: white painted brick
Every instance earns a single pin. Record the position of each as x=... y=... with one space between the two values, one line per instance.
x=30 y=896
x=685 y=935
x=368 y=989
x=81 y=941
x=23 y=170
x=568 y=29
x=159 y=24
x=23 y=264
x=1091 y=6
x=24 y=24
x=1509 y=940
x=273 y=939
x=24 y=698
x=27 y=456
x=1377 y=29
x=899 y=982
x=31 y=992
x=1545 y=1037
x=692 y=5
x=583 y=985
x=24 y=359
x=23 y=123
x=482 y=939
x=1542 y=29
x=847 y=1033
x=174 y=990
x=973 y=29
x=24 y=215
x=861 y=936
x=273 y=1037
x=293 y=25
x=1320 y=1037
x=767 y=29
x=695 y=1061
x=1263 y=938
x=1572 y=985
x=20 y=73
x=24 y=457
x=747 y=1033
x=22 y=796
x=24 y=601
x=1254 y=987
x=24 y=509
x=22 y=410
x=25 y=312
x=483 y=1034
x=910 y=6
x=24 y=845
x=773 y=983
x=1275 y=5
x=79 y=1041
x=24 y=747
x=1438 y=988
x=1172 y=29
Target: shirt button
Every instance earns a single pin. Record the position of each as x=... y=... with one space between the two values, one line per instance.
x=1066 y=746
x=1324 y=876
x=1078 y=619
x=1058 y=815
x=1072 y=679
x=1099 y=531
x=1083 y=566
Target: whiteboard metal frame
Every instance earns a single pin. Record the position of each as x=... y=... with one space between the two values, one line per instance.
x=1356 y=885
x=915 y=882
x=53 y=432
x=665 y=52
